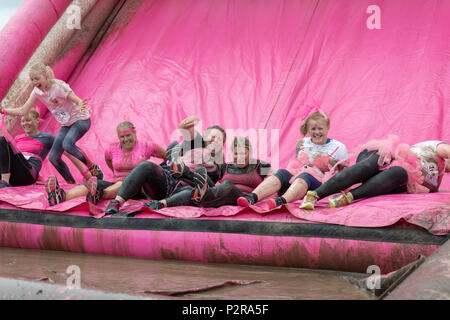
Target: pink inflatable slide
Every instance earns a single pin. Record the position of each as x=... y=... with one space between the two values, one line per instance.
x=376 y=67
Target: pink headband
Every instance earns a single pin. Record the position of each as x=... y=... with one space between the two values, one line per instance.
x=309 y=110
x=124 y=133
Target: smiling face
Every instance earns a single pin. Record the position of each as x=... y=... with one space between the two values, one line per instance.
x=318 y=130
x=127 y=137
x=214 y=140
x=241 y=157
x=30 y=124
x=39 y=80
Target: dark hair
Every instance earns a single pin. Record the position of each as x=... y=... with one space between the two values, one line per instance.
x=239 y=142
x=34 y=113
x=218 y=128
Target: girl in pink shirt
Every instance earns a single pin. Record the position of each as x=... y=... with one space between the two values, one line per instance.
x=121 y=157
x=69 y=110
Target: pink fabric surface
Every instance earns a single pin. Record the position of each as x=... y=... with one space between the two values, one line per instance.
x=429 y=211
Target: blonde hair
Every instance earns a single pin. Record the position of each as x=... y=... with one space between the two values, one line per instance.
x=43 y=69
x=313 y=116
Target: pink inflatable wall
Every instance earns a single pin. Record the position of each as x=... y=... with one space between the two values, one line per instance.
x=253 y=65
x=22 y=35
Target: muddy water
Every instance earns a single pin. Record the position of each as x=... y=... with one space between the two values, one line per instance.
x=171 y=279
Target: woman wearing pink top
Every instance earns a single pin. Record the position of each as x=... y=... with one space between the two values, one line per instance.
x=69 y=110
x=121 y=157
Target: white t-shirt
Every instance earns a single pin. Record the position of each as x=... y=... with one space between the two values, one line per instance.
x=65 y=111
x=332 y=147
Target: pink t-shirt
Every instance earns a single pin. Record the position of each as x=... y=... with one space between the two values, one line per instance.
x=65 y=111
x=124 y=162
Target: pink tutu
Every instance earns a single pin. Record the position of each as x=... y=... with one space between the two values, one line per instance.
x=302 y=164
x=395 y=154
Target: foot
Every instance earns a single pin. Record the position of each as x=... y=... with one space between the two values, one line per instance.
x=4 y=184
x=309 y=200
x=55 y=194
x=94 y=194
x=154 y=204
x=340 y=200
x=201 y=184
x=274 y=203
x=113 y=207
x=247 y=200
x=173 y=154
x=96 y=171
x=177 y=168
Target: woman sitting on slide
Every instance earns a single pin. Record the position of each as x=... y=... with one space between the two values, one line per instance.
x=121 y=157
x=239 y=176
x=21 y=159
x=386 y=167
x=316 y=154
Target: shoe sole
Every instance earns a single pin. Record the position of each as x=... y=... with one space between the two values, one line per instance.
x=272 y=204
x=92 y=189
x=307 y=206
x=200 y=192
x=177 y=169
x=241 y=201
x=331 y=204
x=51 y=186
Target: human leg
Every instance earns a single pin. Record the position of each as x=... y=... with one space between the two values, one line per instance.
x=278 y=182
x=55 y=155
x=392 y=180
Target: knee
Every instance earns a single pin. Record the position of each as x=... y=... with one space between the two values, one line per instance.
x=147 y=167
x=309 y=181
x=67 y=144
x=399 y=174
x=283 y=175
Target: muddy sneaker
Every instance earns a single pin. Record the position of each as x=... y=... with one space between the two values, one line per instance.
x=340 y=200
x=177 y=169
x=94 y=194
x=247 y=200
x=274 y=203
x=309 y=200
x=113 y=207
x=154 y=205
x=55 y=194
x=201 y=184
x=96 y=171
x=173 y=153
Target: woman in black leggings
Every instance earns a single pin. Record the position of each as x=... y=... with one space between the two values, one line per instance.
x=429 y=159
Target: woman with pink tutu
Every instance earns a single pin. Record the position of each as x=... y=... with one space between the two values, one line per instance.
x=385 y=167
x=318 y=157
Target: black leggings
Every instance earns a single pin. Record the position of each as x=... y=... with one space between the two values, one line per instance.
x=224 y=194
x=22 y=173
x=374 y=181
x=147 y=180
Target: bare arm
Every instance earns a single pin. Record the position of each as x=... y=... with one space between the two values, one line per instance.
x=22 y=110
x=160 y=151
x=109 y=164
x=81 y=103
